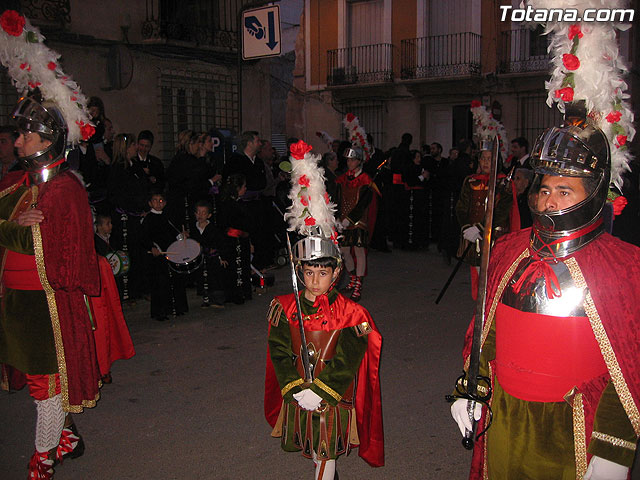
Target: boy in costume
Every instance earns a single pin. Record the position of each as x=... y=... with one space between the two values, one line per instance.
x=339 y=407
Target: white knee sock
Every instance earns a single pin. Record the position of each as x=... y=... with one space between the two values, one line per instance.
x=348 y=259
x=49 y=424
x=329 y=468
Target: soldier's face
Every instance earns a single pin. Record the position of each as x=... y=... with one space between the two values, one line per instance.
x=144 y=147
x=29 y=143
x=485 y=162
x=558 y=193
x=318 y=280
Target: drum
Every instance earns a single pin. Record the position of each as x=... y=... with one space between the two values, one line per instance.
x=184 y=256
x=119 y=262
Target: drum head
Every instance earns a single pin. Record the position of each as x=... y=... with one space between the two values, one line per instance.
x=184 y=256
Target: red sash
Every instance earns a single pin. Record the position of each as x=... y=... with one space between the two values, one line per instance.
x=20 y=272
x=539 y=358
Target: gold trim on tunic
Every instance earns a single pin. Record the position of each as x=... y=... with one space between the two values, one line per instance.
x=579 y=436
x=290 y=385
x=275 y=309
x=615 y=441
x=362 y=329
x=327 y=389
x=620 y=384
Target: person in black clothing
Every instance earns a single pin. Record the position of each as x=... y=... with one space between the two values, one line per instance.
x=128 y=191
x=247 y=163
x=415 y=178
x=213 y=272
x=151 y=166
x=168 y=289
x=521 y=181
x=400 y=159
x=235 y=223
x=329 y=163
x=384 y=182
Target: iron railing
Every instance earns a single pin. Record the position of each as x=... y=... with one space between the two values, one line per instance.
x=441 y=56
x=363 y=64
x=45 y=13
x=201 y=22
x=523 y=51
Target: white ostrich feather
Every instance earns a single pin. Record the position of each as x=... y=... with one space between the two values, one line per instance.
x=28 y=62
x=599 y=78
x=311 y=201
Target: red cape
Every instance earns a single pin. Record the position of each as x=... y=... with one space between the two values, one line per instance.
x=113 y=341
x=602 y=260
x=368 y=400
x=72 y=271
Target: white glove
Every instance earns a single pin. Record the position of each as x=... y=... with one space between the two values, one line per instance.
x=472 y=234
x=603 y=469
x=345 y=223
x=308 y=399
x=461 y=415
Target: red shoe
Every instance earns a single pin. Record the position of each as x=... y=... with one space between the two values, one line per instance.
x=357 y=288
x=352 y=283
x=71 y=444
x=40 y=466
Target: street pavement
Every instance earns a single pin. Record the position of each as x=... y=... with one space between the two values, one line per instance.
x=189 y=404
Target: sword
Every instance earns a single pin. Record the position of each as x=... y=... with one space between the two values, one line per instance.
x=303 y=340
x=453 y=274
x=474 y=358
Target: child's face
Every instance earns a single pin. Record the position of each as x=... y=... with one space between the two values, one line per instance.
x=157 y=202
x=105 y=227
x=317 y=280
x=202 y=214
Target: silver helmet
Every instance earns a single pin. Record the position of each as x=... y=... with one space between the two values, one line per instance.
x=315 y=247
x=45 y=119
x=577 y=149
x=353 y=153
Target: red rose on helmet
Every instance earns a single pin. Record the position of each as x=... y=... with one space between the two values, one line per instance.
x=299 y=149
x=12 y=23
x=304 y=181
x=570 y=61
x=304 y=200
x=310 y=221
x=350 y=117
x=622 y=139
x=614 y=116
x=575 y=30
x=565 y=94
x=476 y=104
x=618 y=205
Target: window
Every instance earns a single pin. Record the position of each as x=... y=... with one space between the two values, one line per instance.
x=535 y=116
x=196 y=101
x=370 y=114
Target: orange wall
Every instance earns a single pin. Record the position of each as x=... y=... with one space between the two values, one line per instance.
x=403 y=26
x=323 y=36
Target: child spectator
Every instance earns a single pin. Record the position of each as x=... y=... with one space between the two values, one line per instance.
x=210 y=276
x=168 y=289
x=235 y=222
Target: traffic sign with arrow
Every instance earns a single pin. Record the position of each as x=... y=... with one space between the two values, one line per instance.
x=261 y=32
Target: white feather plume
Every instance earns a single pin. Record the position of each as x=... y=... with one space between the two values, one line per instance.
x=31 y=64
x=599 y=78
x=311 y=211
x=357 y=135
x=486 y=127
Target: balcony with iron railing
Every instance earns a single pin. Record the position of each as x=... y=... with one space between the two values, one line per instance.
x=198 y=23
x=365 y=64
x=523 y=51
x=439 y=56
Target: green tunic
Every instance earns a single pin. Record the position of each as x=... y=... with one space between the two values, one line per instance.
x=338 y=374
x=26 y=336
x=534 y=440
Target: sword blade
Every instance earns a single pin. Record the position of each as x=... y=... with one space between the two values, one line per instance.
x=474 y=358
x=296 y=293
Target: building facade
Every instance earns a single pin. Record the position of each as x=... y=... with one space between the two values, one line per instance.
x=161 y=65
x=415 y=66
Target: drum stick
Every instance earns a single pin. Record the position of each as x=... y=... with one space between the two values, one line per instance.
x=164 y=253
